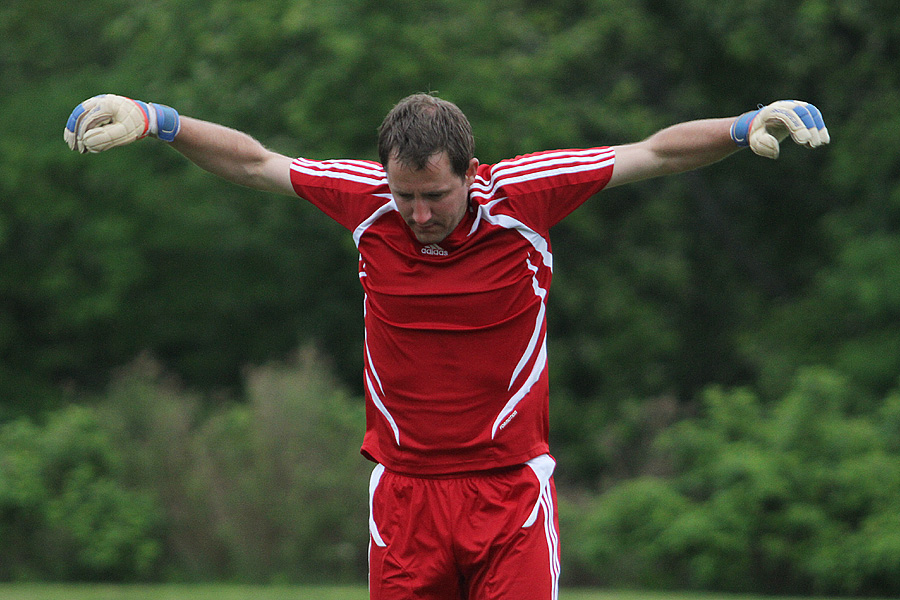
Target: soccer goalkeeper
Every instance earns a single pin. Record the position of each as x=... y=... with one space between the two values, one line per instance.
x=455 y=263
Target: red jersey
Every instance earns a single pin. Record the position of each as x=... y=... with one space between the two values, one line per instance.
x=455 y=357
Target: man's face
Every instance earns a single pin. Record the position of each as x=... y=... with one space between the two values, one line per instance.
x=432 y=200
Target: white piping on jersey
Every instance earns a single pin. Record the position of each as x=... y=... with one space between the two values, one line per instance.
x=540 y=362
x=523 y=169
x=535 y=374
x=506 y=222
x=540 y=244
x=382 y=210
x=337 y=175
x=369 y=173
x=476 y=222
x=342 y=162
x=557 y=156
x=529 y=350
x=373 y=391
x=376 y=399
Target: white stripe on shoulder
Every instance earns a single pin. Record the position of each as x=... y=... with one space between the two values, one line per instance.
x=359 y=166
x=506 y=174
x=599 y=159
x=355 y=171
x=485 y=191
x=382 y=210
x=556 y=155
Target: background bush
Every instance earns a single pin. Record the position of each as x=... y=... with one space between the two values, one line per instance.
x=797 y=498
x=66 y=510
x=146 y=485
x=723 y=342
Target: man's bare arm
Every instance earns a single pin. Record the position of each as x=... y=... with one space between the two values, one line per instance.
x=696 y=144
x=233 y=155
x=108 y=121
x=676 y=149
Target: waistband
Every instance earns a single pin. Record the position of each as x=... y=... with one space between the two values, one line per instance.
x=469 y=474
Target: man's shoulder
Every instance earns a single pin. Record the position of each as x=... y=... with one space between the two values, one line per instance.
x=347 y=171
x=350 y=191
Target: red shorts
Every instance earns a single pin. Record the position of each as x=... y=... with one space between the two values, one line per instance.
x=483 y=536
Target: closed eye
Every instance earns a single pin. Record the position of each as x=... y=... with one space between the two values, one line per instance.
x=433 y=196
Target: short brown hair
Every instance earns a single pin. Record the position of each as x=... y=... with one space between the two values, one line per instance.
x=422 y=125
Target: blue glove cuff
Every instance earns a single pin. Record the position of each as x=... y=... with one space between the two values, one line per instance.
x=740 y=129
x=167 y=122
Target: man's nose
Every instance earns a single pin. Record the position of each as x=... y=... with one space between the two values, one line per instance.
x=421 y=211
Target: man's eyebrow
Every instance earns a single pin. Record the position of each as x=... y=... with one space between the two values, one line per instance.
x=434 y=192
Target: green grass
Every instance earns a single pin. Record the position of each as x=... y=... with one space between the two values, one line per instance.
x=274 y=592
x=178 y=592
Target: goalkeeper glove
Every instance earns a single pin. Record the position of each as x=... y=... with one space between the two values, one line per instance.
x=764 y=129
x=107 y=121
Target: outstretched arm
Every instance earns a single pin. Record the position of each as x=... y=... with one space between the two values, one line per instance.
x=676 y=149
x=234 y=156
x=695 y=144
x=108 y=121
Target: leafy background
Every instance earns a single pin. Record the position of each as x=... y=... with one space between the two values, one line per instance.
x=723 y=343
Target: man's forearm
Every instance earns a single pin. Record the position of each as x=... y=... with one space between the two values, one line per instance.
x=230 y=154
x=692 y=144
x=675 y=149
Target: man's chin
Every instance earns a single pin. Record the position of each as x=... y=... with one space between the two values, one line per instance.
x=430 y=236
x=426 y=241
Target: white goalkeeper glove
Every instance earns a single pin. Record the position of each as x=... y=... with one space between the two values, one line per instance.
x=107 y=121
x=764 y=129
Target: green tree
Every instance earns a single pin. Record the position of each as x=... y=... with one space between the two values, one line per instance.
x=66 y=510
x=267 y=488
x=796 y=498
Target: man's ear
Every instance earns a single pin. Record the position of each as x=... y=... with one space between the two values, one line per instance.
x=471 y=172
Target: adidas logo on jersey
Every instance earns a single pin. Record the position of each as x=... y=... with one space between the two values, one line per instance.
x=508 y=419
x=434 y=250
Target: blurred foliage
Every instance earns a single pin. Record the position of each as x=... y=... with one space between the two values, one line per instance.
x=738 y=276
x=799 y=498
x=735 y=274
x=145 y=484
x=64 y=511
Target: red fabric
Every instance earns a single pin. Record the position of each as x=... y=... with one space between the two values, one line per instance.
x=464 y=538
x=455 y=354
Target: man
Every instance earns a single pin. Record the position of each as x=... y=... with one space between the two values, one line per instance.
x=455 y=264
